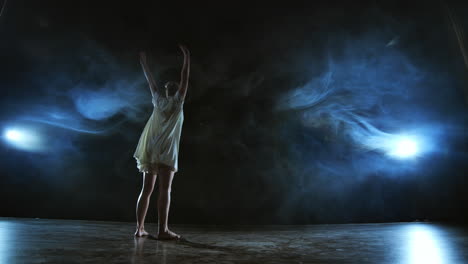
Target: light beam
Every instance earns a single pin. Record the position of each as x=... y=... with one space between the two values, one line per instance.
x=23 y=139
x=404 y=147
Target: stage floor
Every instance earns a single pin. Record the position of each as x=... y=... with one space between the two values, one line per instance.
x=69 y=241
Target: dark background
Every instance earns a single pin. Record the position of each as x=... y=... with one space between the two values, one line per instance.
x=69 y=70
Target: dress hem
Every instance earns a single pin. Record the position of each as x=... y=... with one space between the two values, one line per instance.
x=153 y=167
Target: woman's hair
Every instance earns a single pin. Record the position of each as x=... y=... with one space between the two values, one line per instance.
x=171 y=87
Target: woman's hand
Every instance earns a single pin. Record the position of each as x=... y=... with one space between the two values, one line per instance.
x=184 y=50
x=143 y=57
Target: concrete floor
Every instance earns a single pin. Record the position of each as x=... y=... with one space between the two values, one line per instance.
x=68 y=241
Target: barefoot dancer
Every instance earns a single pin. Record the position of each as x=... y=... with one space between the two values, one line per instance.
x=158 y=147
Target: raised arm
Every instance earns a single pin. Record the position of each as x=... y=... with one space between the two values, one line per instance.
x=2 y=7
x=184 y=74
x=149 y=76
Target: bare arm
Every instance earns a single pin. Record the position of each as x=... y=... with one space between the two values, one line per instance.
x=149 y=76
x=184 y=74
x=2 y=7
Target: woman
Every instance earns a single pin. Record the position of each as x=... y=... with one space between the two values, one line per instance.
x=158 y=147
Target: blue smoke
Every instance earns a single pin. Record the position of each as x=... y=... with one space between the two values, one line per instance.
x=69 y=120
x=368 y=94
x=100 y=103
x=107 y=95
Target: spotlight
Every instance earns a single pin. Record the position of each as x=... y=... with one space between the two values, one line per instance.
x=24 y=139
x=13 y=135
x=403 y=147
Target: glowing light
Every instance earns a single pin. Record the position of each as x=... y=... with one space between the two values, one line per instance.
x=425 y=246
x=24 y=139
x=13 y=135
x=404 y=148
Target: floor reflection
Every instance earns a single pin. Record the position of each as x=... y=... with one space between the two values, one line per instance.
x=4 y=243
x=138 y=255
x=161 y=252
x=57 y=241
x=426 y=245
x=144 y=252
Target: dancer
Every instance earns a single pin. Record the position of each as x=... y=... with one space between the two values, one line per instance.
x=158 y=147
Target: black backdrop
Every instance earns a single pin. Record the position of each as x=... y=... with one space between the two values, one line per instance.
x=243 y=160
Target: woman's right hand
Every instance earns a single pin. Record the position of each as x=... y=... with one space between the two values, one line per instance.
x=143 y=56
x=184 y=49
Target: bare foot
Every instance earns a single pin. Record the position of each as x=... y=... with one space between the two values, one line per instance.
x=141 y=233
x=168 y=235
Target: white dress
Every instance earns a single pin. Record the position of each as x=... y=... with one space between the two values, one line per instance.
x=159 y=141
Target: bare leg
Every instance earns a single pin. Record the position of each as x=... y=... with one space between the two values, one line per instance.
x=143 y=202
x=164 y=201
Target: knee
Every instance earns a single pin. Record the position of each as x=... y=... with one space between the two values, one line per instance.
x=164 y=189
x=147 y=190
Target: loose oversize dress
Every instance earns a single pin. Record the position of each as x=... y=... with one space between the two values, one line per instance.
x=159 y=141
